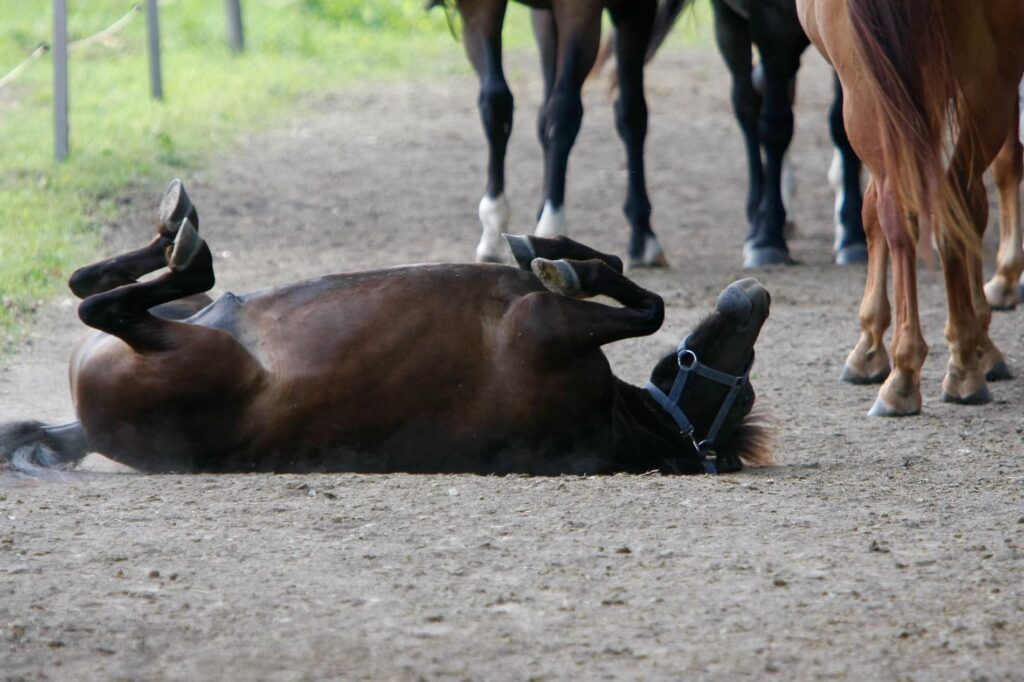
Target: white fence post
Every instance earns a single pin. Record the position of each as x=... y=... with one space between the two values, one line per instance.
x=60 y=79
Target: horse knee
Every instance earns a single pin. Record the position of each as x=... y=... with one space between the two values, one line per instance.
x=100 y=312
x=496 y=105
x=564 y=117
x=631 y=117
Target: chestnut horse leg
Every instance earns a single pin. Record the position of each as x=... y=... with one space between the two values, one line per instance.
x=844 y=176
x=634 y=22
x=578 y=32
x=1007 y=169
x=482 y=21
x=125 y=311
x=525 y=248
x=900 y=395
x=126 y=268
x=868 y=362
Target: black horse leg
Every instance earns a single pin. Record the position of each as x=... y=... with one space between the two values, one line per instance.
x=844 y=176
x=732 y=34
x=767 y=245
x=579 y=33
x=546 y=34
x=482 y=22
x=525 y=248
x=634 y=22
x=125 y=311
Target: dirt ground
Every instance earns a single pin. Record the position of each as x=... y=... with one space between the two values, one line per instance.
x=875 y=549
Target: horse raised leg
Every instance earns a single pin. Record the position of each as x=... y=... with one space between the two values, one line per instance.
x=634 y=22
x=526 y=248
x=1002 y=291
x=482 y=22
x=844 y=176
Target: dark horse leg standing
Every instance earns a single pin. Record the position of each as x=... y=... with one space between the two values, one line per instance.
x=568 y=33
x=486 y=369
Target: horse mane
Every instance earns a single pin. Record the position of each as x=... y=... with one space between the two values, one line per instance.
x=752 y=440
x=911 y=73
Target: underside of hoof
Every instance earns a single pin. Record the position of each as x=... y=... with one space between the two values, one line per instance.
x=186 y=247
x=999 y=372
x=765 y=256
x=652 y=257
x=854 y=254
x=851 y=376
x=175 y=207
x=883 y=409
x=557 y=276
x=521 y=248
x=979 y=397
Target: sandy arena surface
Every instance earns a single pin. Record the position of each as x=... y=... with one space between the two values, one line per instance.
x=875 y=549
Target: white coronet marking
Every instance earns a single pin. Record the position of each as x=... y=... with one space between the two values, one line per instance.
x=652 y=250
x=835 y=179
x=494 y=217
x=552 y=222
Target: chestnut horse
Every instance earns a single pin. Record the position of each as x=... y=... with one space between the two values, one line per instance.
x=568 y=33
x=762 y=100
x=430 y=368
x=919 y=75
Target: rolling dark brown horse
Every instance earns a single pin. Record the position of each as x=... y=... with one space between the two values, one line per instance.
x=431 y=368
x=568 y=33
x=930 y=99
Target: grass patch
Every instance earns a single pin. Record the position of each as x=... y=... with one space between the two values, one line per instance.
x=51 y=213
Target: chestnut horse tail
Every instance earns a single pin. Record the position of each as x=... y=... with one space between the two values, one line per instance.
x=911 y=74
x=30 y=446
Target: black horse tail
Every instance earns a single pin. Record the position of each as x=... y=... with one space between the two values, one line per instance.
x=30 y=446
x=664 y=19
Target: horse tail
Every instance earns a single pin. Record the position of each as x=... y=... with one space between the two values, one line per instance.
x=30 y=446
x=911 y=73
x=664 y=19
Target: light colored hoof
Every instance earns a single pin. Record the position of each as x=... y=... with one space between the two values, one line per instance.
x=522 y=250
x=765 y=256
x=186 y=247
x=1000 y=296
x=851 y=376
x=552 y=222
x=653 y=255
x=979 y=397
x=494 y=216
x=174 y=207
x=854 y=254
x=883 y=409
x=557 y=276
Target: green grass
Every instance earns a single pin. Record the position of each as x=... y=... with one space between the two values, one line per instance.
x=51 y=213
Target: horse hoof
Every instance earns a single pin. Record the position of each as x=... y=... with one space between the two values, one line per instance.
x=883 y=409
x=764 y=256
x=186 y=247
x=557 y=276
x=999 y=372
x=652 y=257
x=174 y=207
x=854 y=254
x=521 y=248
x=851 y=376
x=979 y=397
x=999 y=295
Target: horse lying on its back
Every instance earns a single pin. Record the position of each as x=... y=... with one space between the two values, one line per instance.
x=434 y=368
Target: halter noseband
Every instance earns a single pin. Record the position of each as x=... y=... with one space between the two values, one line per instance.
x=690 y=365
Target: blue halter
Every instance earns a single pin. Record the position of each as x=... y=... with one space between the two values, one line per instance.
x=688 y=366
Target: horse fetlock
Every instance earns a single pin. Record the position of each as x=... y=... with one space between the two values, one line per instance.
x=494 y=217
x=650 y=255
x=1001 y=293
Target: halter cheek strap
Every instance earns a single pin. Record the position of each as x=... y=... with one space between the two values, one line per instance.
x=690 y=365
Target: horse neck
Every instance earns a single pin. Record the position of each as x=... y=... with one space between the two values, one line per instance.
x=644 y=438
